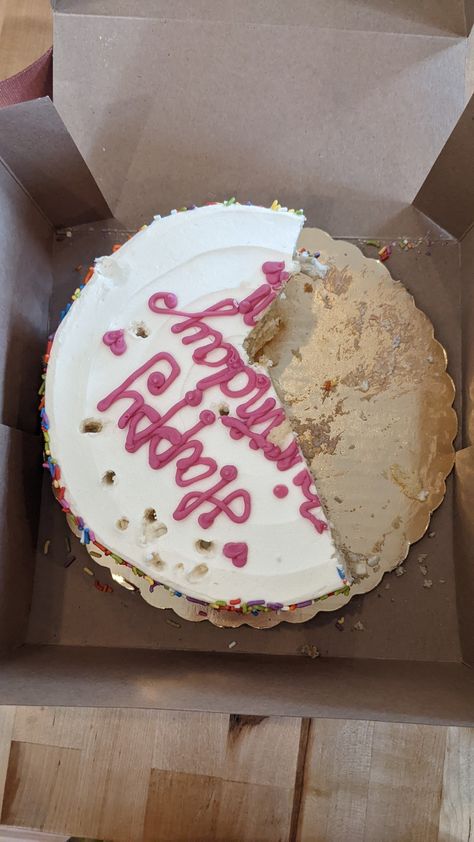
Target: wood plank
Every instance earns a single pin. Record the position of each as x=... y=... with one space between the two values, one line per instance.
x=26 y=30
x=190 y=742
x=405 y=784
x=7 y=718
x=204 y=808
x=55 y=726
x=262 y=750
x=336 y=781
x=110 y=795
x=456 y=819
x=40 y=780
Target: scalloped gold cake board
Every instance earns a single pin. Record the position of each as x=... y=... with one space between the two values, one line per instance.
x=366 y=388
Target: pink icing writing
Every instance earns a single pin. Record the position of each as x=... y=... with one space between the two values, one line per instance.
x=237 y=552
x=147 y=426
x=194 y=499
x=280 y=491
x=304 y=480
x=255 y=417
x=258 y=411
x=261 y=298
x=115 y=340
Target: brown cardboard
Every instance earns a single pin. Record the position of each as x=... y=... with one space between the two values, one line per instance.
x=100 y=648
x=453 y=209
x=63 y=186
x=233 y=99
x=63 y=596
x=469 y=15
x=264 y=685
x=426 y=17
x=20 y=455
x=25 y=246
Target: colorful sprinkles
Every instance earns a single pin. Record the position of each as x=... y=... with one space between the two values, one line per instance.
x=87 y=536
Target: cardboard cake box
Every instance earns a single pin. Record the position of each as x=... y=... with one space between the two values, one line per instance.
x=303 y=127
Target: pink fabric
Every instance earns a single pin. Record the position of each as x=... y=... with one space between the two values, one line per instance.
x=32 y=82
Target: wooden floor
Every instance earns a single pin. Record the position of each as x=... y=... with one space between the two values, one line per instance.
x=162 y=776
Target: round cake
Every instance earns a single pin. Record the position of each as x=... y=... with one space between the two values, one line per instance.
x=168 y=448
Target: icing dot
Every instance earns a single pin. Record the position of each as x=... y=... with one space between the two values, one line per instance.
x=156 y=382
x=207 y=417
x=193 y=397
x=280 y=491
x=228 y=472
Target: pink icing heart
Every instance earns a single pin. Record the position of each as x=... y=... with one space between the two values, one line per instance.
x=274 y=272
x=115 y=340
x=237 y=552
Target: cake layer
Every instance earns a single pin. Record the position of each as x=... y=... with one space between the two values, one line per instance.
x=174 y=451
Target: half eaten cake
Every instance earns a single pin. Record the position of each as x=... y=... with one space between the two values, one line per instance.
x=169 y=449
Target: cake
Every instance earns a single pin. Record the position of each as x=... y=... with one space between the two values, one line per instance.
x=169 y=449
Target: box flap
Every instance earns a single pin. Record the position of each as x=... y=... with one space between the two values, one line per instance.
x=447 y=194
x=36 y=146
x=263 y=685
x=20 y=475
x=427 y=17
x=273 y=110
x=25 y=282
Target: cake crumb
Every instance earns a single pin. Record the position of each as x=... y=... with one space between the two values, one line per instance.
x=358 y=626
x=400 y=570
x=310 y=650
x=232 y=644
x=46 y=547
x=428 y=583
x=442 y=581
x=387 y=586
x=431 y=534
x=423 y=569
x=340 y=623
x=174 y=624
x=422 y=558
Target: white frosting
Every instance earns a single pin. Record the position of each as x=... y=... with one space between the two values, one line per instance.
x=203 y=256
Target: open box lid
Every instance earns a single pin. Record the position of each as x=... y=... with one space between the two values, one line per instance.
x=312 y=100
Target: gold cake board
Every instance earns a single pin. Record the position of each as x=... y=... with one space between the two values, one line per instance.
x=365 y=385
